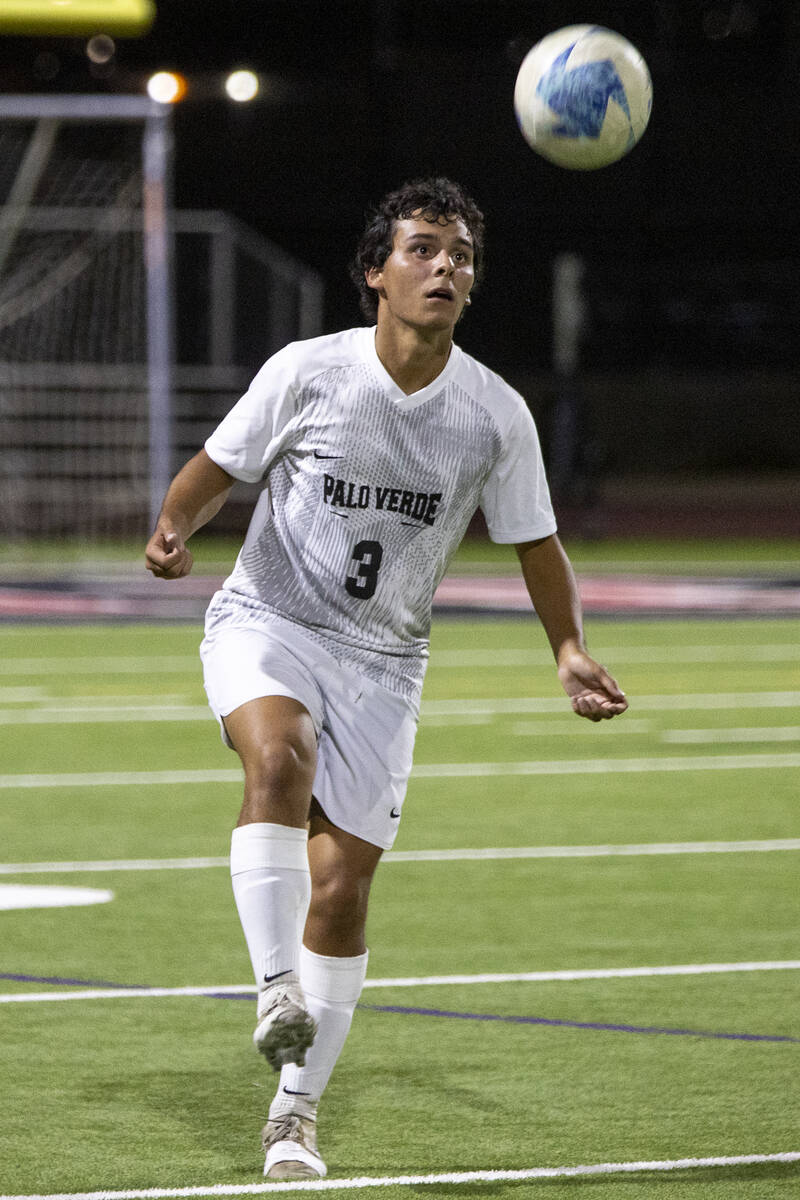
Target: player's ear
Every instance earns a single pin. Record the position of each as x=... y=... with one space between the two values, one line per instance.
x=374 y=278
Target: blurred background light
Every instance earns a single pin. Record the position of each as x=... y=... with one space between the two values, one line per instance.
x=101 y=48
x=166 y=87
x=242 y=86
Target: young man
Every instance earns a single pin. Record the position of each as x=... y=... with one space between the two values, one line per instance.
x=376 y=445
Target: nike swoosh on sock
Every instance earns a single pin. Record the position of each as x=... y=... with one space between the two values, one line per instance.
x=272 y=978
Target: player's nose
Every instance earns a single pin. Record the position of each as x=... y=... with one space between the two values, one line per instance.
x=443 y=263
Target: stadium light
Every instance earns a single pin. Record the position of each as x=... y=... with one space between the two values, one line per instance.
x=242 y=86
x=166 y=87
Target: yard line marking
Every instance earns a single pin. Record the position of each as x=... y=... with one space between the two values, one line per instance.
x=21 y=695
x=444 y=855
x=91 y=665
x=434 y=712
x=224 y=991
x=607 y=766
x=750 y=733
x=100 y=700
x=26 y=896
x=453 y=1177
x=568 y=726
x=600 y=851
x=530 y=657
x=93 y=715
x=682 y=702
x=581 y=766
x=114 y=864
x=131 y=713
x=120 y=778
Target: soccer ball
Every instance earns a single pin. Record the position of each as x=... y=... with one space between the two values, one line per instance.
x=583 y=97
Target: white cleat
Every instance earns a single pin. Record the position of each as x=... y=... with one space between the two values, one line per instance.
x=285 y=1030
x=290 y=1142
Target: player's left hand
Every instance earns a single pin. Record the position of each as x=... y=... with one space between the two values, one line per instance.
x=594 y=693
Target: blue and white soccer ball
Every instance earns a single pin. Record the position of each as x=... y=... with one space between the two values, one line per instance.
x=583 y=97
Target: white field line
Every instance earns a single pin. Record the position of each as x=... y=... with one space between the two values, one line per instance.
x=454 y=1177
x=101 y=665
x=750 y=733
x=22 y=695
x=675 y=703
x=121 y=864
x=624 y=655
x=607 y=766
x=589 y=766
x=157 y=713
x=434 y=712
x=412 y=981
x=479 y=854
x=100 y=714
x=85 y=779
x=726 y=735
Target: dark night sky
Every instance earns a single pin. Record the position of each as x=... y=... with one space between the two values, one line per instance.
x=361 y=94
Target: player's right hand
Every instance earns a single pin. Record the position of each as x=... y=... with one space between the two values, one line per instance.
x=167 y=556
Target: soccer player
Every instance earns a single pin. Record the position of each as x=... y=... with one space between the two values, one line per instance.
x=375 y=447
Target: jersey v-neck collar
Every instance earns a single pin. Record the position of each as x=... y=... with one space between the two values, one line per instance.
x=394 y=392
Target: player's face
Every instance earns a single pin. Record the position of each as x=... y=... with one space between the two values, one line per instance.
x=428 y=276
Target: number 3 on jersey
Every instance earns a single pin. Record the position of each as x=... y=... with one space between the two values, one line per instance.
x=363 y=582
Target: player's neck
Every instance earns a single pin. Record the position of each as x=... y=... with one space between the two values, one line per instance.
x=412 y=357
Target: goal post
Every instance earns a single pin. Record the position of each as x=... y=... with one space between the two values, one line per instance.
x=86 y=312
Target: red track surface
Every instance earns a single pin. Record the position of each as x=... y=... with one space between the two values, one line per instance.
x=146 y=599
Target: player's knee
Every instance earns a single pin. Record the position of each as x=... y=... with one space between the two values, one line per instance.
x=277 y=769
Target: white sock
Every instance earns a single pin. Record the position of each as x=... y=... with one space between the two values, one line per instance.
x=272 y=888
x=332 y=987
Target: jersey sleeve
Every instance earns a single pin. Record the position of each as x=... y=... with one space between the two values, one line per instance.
x=248 y=438
x=516 y=499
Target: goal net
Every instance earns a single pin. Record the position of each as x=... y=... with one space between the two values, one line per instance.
x=85 y=320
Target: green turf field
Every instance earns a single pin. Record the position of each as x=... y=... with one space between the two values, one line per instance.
x=215 y=555
x=616 y=854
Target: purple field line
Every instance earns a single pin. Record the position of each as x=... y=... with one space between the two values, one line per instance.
x=405 y=1010
x=596 y=1025
x=59 y=981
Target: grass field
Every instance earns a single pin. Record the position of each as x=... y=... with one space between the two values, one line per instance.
x=616 y=854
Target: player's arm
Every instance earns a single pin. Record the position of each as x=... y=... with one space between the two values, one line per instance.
x=553 y=589
x=196 y=494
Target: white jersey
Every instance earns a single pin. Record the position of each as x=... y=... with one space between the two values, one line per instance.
x=368 y=492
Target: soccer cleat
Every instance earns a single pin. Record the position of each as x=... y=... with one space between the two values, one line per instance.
x=290 y=1142
x=285 y=1030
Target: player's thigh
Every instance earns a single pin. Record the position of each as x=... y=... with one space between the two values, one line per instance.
x=274 y=729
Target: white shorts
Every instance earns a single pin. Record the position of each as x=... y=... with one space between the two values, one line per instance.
x=365 y=733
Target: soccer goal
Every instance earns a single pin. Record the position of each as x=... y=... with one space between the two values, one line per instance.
x=85 y=313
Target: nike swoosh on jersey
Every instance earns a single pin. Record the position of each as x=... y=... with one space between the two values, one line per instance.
x=328 y=456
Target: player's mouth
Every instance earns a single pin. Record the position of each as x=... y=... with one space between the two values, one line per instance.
x=440 y=294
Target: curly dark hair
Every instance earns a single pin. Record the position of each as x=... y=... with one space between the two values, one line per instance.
x=433 y=199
